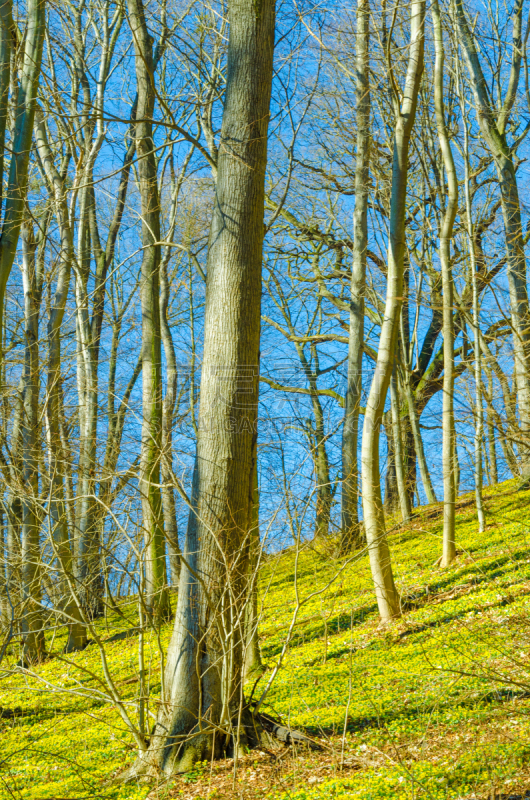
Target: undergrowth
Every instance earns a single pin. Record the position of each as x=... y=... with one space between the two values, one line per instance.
x=435 y=705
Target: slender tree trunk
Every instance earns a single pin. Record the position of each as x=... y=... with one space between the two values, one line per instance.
x=32 y=624
x=322 y=474
x=493 y=123
x=157 y=597
x=24 y=112
x=387 y=597
x=492 y=450
x=391 y=500
x=15 y=566
x=446 y=234
x=418 y=443
x=168 y=410
x=204 y=662
x=401 y=478
x=68 y=588
x=253 y=665
x=350 y=530
x=479 y=425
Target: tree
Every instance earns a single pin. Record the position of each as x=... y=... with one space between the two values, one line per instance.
x=153 y=522
x=493 y=125
x=405 y=111
x=350 y=431
x=203 y=678
x=449 y=214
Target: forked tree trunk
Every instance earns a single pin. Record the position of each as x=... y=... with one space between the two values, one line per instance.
x=350 y=531
x=446 y=233
x=157 y=596
x=386 y=593
x=203 y=677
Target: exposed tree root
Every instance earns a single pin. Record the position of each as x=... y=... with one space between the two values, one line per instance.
x=255 y=731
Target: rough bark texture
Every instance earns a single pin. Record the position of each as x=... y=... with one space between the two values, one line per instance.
x=387 y=597
x=203 y=677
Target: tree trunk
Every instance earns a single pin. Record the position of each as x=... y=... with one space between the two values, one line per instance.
x=399 y=460
x=493 y=124
x=203 y=677
x=157 y=597
x=387 y=597
x=58 y=523
x=350 y=530
x=492 y=450
x=446 y=234
x=418 y=443
x=253 y=665
x=24 y=111
x=391 y=501
x=32 y=624
x=168 y=410
x=479 y=428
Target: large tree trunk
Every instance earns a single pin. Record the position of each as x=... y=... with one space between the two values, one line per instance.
x=350 y=530
x=157 y=596
x=203 y=677
x=387 y=596
x=446 y=233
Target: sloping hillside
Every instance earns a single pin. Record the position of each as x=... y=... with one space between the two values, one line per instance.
x=437 y=705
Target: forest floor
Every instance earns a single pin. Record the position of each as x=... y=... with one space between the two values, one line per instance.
x=435 y=705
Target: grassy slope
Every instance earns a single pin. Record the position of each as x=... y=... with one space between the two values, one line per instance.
x=436 y=703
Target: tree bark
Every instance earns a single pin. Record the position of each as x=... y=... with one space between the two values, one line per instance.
x=203 y=677
x=157 y=597
x=446 y=234
x=350 y=530
x=168 y=410
x=493 y=127
x=399 y=459
x=57 y=517
x=32 y=623
x=387 y=596
x=24 y=112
